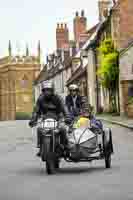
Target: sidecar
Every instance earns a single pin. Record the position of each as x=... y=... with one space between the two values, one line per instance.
x=88 y=143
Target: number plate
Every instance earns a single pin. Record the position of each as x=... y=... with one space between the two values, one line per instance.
x=50 y=123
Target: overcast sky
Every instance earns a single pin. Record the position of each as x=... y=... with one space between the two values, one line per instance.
x=27 y=21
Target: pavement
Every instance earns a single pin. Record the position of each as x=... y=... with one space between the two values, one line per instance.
x=11 y=137
x=118 y=120
x=23 y=175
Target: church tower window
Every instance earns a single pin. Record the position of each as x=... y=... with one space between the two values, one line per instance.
x=24 y=81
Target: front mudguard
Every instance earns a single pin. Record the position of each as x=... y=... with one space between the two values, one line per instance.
x=45 y=147
x=49 y=145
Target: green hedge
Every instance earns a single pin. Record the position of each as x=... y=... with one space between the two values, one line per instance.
x=130 y=100
x=23 y=116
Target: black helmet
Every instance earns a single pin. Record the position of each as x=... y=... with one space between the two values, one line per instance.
x=48 y=89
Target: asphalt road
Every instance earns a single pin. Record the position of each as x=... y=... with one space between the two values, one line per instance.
x=23 y=176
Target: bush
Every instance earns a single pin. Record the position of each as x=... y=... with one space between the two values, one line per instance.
x=23 y=116
x=130 y=100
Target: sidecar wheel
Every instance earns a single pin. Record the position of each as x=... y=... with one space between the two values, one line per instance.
x=107 y=151
x=108 y=161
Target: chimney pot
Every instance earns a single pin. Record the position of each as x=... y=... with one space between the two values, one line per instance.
x=61 y=25
x=77 y=14
x=82 y=13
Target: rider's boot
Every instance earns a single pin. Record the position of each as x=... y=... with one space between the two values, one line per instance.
x=39 y=153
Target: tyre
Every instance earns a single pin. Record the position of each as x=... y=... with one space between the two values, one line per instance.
x=108 y=161
x=50 y=163
x=107 y=152
x=111 y=142
x=45 y=148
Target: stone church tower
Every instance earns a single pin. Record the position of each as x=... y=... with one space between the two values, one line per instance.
x=17 y=74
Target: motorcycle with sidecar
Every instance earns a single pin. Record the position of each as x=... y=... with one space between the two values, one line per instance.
x=86 y=142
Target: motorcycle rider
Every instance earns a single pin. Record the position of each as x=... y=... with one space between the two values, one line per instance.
x=74 y=100
x=49 y=103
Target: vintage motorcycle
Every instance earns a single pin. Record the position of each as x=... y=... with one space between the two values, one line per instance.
x=86 y=143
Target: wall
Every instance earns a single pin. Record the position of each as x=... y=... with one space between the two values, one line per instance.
x=126 y=75
x=91 y=77
x=126 y=65
x=16 y=92
x=126 y=22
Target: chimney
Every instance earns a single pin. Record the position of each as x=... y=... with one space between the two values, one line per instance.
x=104 y=6
x=80 y=25
x=62 y=36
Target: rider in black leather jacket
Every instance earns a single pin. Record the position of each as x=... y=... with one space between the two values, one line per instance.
x=49 y=103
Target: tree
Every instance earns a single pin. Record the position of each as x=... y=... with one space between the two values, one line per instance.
x=109 y=71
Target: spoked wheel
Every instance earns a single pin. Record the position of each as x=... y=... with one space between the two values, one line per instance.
x=108 y=161
x=50 y=163
x=111 y=143
x=108 y=149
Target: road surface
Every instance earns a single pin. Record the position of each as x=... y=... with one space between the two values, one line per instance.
x=23 y=176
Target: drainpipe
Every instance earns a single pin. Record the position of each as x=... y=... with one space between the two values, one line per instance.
x=118 y=63
x=97 y=84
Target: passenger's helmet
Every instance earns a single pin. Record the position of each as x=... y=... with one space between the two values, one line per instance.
x=73 y=87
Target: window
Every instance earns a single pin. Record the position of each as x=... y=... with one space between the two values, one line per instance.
x=24 y=81
x=130 y=89
x=132 y=69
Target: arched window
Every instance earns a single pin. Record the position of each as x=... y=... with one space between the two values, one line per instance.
x=24 y=81
x=130 y=89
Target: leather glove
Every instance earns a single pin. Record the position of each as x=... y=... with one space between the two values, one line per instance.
x=68 y=121
x=31 y=123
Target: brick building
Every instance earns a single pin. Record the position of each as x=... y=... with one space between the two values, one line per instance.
x=122 y=24
x=126 y=80
x=62 y=37
x=59 y=66
x=17 y=74
x=80 y=28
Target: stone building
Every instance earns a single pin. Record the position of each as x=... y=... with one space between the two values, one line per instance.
x=17 y=74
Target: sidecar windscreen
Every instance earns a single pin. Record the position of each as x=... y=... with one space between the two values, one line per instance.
x=81 y=135
x=82 y=122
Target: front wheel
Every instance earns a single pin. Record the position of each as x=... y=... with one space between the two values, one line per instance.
x=50 y=163
x=45 y=148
